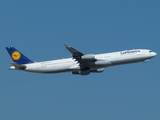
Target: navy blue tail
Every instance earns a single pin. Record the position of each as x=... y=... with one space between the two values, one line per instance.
x=17 y=56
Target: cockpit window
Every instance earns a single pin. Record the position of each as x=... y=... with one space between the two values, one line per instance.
x=150 y=51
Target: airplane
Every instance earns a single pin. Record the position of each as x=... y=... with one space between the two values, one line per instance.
x=80 y=63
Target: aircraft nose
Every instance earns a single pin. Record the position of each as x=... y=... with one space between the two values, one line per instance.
x=154 y=54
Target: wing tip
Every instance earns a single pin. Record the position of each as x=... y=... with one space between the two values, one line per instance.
x=67 y=46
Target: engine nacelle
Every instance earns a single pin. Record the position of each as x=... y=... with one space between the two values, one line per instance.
x=88 y=57
x=83 y=72
x=98 y=70
x=104 y=62
x=76 y=72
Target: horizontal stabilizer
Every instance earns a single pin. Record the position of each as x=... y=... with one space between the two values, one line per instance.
x=18 y=65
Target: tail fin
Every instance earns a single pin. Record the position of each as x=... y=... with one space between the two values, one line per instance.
x=17 y=56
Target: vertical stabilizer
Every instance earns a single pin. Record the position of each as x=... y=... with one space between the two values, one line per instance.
x=17 y=56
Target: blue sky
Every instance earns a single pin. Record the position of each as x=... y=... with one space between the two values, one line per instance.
x=39 y=30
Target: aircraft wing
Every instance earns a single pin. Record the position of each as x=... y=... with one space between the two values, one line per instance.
x=75 y=53
x=82 y=58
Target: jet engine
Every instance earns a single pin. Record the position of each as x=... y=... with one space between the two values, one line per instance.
x=88 y=57
x=97 y=70
x=87 y=72
x=104 y=62
x=82 y=72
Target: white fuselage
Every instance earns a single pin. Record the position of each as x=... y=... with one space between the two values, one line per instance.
x=107 y=59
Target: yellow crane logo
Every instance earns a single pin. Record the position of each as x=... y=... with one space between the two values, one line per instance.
x=16 y=55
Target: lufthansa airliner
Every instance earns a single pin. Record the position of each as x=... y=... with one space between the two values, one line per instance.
x=80 y=63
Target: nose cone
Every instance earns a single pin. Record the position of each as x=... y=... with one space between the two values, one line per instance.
x=154 y=54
